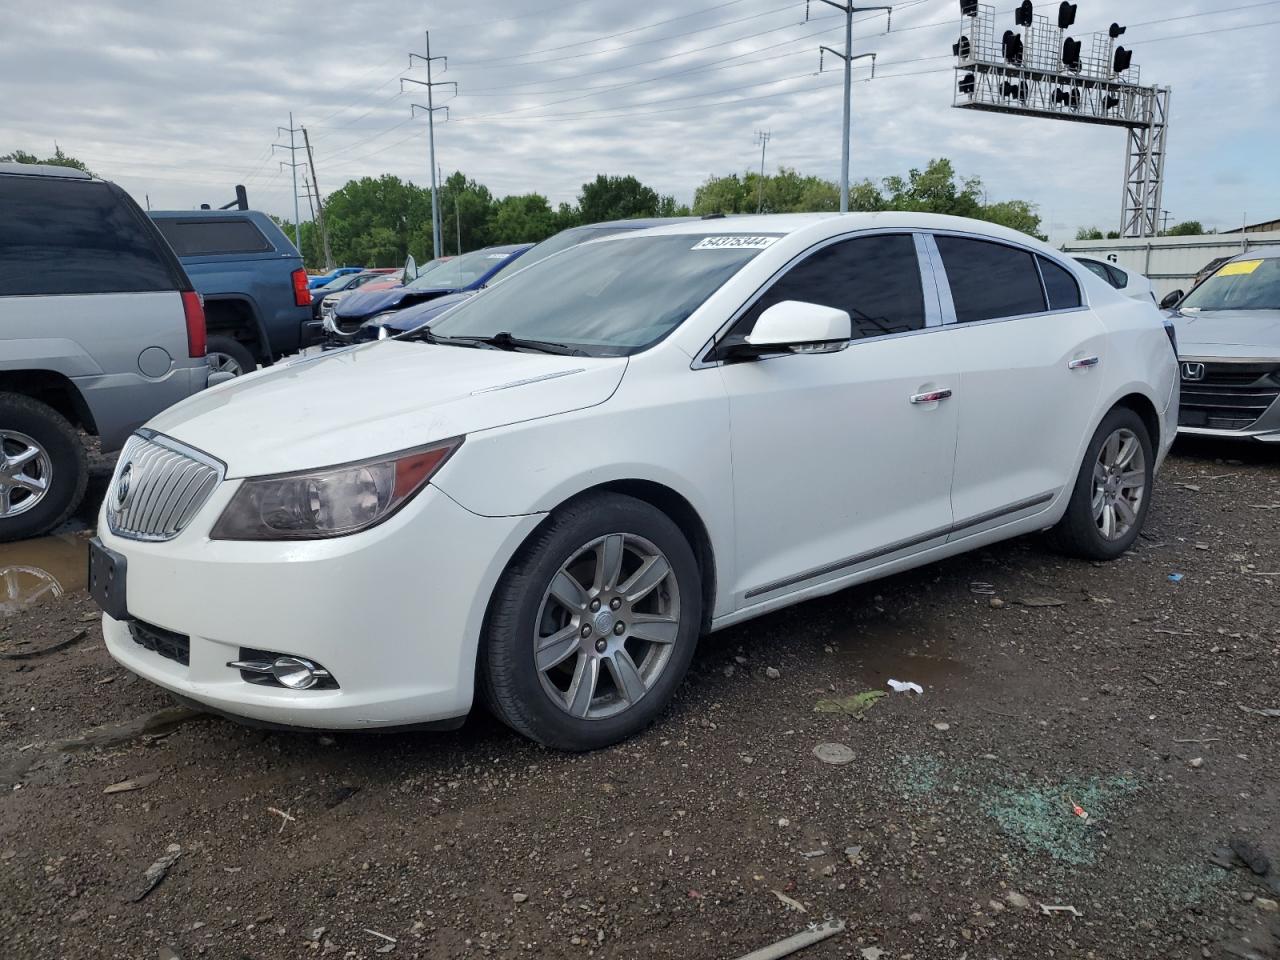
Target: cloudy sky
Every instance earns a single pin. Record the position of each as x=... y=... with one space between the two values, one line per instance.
x=179 y=100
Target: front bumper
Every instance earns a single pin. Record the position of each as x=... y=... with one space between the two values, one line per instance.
x=394 y=613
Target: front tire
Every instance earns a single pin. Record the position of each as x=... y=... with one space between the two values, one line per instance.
x=593 y=625
x=1112 y=492
x=43 y=468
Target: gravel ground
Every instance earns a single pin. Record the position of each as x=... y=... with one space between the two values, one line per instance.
x=1109 y=688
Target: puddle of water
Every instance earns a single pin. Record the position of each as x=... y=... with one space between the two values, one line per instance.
x=878 y=652
x=32 y=571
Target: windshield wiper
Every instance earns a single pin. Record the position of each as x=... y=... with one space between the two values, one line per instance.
x=505 y=341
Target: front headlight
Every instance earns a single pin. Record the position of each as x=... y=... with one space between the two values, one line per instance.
x=330 y=502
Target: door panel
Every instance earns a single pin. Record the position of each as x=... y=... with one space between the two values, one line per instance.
x=833 y=462
x=1029 y=385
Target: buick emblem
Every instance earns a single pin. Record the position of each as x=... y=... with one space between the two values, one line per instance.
x=1193 y=371
x=122 y=486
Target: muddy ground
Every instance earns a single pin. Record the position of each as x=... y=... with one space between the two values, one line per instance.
x=1129 y=697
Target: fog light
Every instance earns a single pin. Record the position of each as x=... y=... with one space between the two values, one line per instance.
x=296 y=673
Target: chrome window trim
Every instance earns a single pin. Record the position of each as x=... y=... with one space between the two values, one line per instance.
x=949 y=315
x=701 y=361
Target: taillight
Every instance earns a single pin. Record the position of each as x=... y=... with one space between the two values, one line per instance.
x=193 y=310
x=301 y=293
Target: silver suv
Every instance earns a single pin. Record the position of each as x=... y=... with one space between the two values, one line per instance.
x=99 y=331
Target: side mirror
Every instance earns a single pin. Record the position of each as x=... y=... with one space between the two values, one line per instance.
x=410 y=270
x=1171 y=300
x=794 y=326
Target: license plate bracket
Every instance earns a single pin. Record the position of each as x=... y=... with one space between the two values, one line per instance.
x=107 y=580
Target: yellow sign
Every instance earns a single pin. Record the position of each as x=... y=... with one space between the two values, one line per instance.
x=1239 y=268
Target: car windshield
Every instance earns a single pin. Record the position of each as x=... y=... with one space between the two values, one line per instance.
x=1239 y=285
x=459 y=271
x=606 y=299
x=561 y=241
x=338 y=283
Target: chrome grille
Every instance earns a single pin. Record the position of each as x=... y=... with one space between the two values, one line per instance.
x=158 y=486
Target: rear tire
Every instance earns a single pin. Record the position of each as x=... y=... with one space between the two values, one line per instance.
x=593 y=625
x=1112 y=491
x=229 y=355
x=38 y=445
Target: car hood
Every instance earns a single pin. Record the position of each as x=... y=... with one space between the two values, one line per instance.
x=379 y=398
x=412 y=317
x=1253 y=333
x=365 y=303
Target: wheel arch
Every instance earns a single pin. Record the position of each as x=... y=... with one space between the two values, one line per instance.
x=53 y=389
x=229 y=313
x=1141 y=404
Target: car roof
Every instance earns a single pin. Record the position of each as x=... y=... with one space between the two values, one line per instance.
x=43 y=170
x=1259 y=253
x=635 y=223
x=834 y=224
x=185 y=214
x=503 y=248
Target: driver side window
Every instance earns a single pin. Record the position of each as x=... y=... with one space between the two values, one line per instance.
x=875 y=278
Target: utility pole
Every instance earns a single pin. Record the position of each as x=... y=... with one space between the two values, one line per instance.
x=315 y=184
x=306 y=186
x=1165 y=217
x=431 y=109
x=762 y=138
x=293 y=148
x=848 y=9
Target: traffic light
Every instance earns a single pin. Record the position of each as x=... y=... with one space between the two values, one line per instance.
x=962 y=48
x=1066 y=14
x=1115 y=31
x=1071 y=54
x=1012 y=46
x=1067 y=98
x=968 y=8
x=1120 y=62
x=967 y=83
x=1024 y=14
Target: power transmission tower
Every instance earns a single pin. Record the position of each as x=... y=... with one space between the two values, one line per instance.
x=293 y=148
x=762 y=137
x=431 y=109
x=847 y=55
x=315 y=184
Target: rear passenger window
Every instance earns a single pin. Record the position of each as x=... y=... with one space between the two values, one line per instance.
x=1061 y=286
x=76 y=236
x=1118 y=277
x=203 y=238
x=876 y=279
x=989 y=280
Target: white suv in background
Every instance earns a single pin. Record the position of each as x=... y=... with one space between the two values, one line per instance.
x=1129 y=282
x=549 y=495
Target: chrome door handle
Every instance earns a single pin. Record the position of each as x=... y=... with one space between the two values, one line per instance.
x=1083 y=363
x=933 y=396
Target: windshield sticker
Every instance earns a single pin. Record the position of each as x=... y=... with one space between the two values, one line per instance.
x=727 y=242
x=497 y=256
x=1239 y=268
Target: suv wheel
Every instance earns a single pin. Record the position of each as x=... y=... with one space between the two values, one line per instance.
x=43 y=468
x=229 y=355
x=593 y=626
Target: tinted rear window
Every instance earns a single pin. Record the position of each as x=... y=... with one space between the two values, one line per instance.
x=989 y=280
x=66 y=236
x=204 y=238
x=1061 y=286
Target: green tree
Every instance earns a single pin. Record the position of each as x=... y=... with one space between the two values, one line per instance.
x=378 y=222
x=59 y=159
x=1089 y=233
x=616 y=198
x=667 y=207
x=567 y=215
x=1187 y=228
x=466 y=209
x=525 y=218
x=720 y=195
x=1017 y=215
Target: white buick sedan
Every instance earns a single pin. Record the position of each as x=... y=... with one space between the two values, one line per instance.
x=545 y=499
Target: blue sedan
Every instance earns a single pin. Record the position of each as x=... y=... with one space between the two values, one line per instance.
x=466 y=273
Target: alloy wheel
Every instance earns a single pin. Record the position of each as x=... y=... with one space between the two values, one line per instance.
x=25 y=473
x=606 y=627
x=224 y=363
x=1119 y=484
